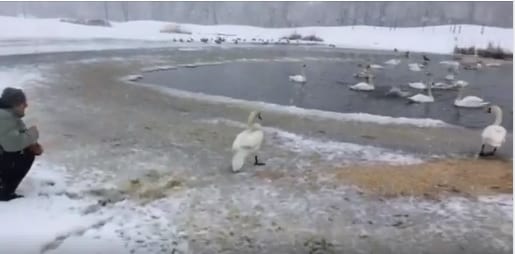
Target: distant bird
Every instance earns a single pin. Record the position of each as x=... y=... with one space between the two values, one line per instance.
x=299 y=78
x=426 y=58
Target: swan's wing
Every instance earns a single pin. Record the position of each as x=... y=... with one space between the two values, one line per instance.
x=248 y=140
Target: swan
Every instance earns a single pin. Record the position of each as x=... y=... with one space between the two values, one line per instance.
x=376 y=66
x=364 y=86
x=493 y=135
x=449 y=77
x=468 y=101
x=443 y=86
x=417 y=85
x=414 y=67
x=299 y=78
x=453 y=64
x=396 y=91
x=461 y=83
x=363 y=73
x=422 y=98
x=248 y=142
x=393 y=61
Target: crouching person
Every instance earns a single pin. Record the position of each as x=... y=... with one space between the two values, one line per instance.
x=18 y=145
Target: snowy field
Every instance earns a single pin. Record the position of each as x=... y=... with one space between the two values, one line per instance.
x=79 y=198
x=17 y=31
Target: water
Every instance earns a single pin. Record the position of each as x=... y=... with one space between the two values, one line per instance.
x=328 y=81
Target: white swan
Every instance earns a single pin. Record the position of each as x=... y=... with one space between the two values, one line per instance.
x=393 y=61
x=376 y=66
x=299 y=78
x=397 y=92
x=449 y=77
x=364 y=73
x=443 y=86
x=461 y=83
x=469 y=101
x=247 y=142
x=422 y=98
x=364 y=86
x=417 y=85
x=493 y=135
x=414 y=67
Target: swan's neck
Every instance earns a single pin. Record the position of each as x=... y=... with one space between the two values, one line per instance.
x=498 y=117
x=460 y=94
x=254 y=126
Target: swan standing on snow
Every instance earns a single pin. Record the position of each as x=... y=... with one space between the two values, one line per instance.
x=299 y=78
x=493 y=135
x=422 y=98
x=468 y=101
x=364 y=86
x=248 y=142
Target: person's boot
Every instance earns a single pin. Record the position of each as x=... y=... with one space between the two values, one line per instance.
x=9 y=197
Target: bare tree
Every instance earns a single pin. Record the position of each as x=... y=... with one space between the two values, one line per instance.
x=125 y=10
x=106 y=10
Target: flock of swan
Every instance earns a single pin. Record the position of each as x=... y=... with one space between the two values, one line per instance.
x=249 y=141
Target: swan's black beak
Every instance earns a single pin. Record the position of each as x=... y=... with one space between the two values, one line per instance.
x=259 y=116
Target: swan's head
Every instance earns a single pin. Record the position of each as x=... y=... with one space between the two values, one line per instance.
x=253 y=116
x=493 y=108
x=304 y=66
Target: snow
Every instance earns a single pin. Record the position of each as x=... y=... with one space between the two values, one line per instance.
x=361 y=37
x=19 y=76
x=42 y=215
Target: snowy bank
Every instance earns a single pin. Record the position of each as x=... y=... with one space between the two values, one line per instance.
x=435 y=39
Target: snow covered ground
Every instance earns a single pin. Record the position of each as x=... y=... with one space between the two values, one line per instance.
x=61 y=213
x=416 y=39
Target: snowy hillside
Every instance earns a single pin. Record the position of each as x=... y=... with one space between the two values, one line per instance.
x=437 y=39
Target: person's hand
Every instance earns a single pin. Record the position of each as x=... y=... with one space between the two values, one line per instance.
x=36 y=149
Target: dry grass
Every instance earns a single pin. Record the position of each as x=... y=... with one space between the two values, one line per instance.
x=432 y=180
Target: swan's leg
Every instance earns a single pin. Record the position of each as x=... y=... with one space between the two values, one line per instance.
x=492 y=152
x=482 y=153
x=256 y=161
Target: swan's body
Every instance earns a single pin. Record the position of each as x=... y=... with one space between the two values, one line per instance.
x=461 y=83
x=449 y=77
x=393 y=61
x=376 y=66
x=493 y=135
x=299 y=78
x=417 y=85
x=469 y=101
x=443 y=86
x=414 y=67
x=247 y=142
x=453 y=64
x=364 y=73
x=364 y=86
x=397 y=92
x=422 y=98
